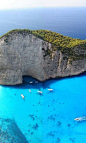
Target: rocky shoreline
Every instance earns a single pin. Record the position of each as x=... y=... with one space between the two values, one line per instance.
x=25 y=54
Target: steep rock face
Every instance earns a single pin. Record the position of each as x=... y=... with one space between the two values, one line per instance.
x=61 y=67
x=25 y=54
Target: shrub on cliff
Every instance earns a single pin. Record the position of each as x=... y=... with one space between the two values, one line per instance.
x=63 y=43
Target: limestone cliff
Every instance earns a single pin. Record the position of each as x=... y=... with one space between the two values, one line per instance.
x=25 y=54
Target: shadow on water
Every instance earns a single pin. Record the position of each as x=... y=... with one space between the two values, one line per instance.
x=10 y=132
x=46 y=84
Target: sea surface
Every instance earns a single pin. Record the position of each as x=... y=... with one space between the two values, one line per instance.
x=47 y=117
x=67 y=21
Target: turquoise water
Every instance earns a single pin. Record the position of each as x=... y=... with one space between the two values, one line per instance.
x=43 y=118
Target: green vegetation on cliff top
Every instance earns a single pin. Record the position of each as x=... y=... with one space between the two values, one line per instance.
x=63 y=43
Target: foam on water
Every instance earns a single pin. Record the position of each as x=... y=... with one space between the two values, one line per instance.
x=43 y=118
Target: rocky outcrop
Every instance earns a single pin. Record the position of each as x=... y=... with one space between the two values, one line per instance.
x=25 y=54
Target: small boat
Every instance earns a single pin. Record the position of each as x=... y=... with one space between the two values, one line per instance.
x=80 y=118
x=31 y=81
x=50 y=89
x=29 y=90
x=22 y=96
x=40 y=92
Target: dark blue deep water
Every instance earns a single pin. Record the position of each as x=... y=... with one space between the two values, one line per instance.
x=47 y=117
x=67 y=21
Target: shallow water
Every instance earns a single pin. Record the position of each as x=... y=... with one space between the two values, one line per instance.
x=43 y=118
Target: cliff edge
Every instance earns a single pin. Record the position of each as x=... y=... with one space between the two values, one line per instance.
x=41 y=54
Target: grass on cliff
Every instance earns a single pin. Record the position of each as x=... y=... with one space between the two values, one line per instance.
x=63 y=43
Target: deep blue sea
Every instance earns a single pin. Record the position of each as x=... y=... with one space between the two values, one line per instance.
x=47 y=117
x=67 y=21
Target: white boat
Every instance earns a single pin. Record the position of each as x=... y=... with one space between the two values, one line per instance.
x=31 y=81
x=29 y=90
x=40 y=92
x=80 y=118
x=50 y=89
x=22 y=96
